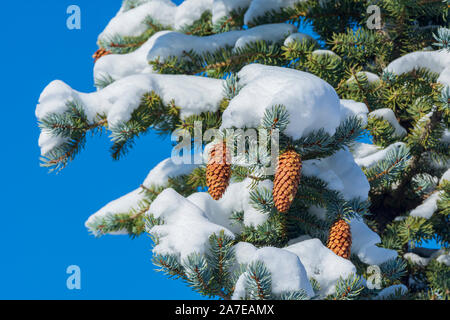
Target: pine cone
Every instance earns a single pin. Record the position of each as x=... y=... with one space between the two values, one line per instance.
x=100 y=53
x=287 y=179
x=340 y=239
x=218 y=170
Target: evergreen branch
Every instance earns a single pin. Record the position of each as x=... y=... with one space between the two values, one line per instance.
x=258 y=281
x=347 y=289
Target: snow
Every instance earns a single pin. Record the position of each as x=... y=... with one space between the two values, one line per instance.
x=235 y=199
x=117 y=101
x=389 y=115
x=364 y=242
x=362 y=150
x=189 y=11
x=444 y=258
x=288 y=273
x=186 y=229
x=321 y=52
x=341 y=173
x=445 y=176
x=386 y=292
x=157 y=177
x=299 y=36
x=441 y=256
x=435 y=61
x=118 y=206
x=164 y=44
x=223 y=8
x=353 y=108
x=164 y=12
x=259 y=7
x=175 y=43
x=119 y=66
x=311 y=102
x=371 y=77
x=416 y=259
x=322 y=264
x=131 y=23
x=428 y=207
x=372 y=157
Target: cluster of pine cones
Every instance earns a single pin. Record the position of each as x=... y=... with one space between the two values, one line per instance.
x=286 y=182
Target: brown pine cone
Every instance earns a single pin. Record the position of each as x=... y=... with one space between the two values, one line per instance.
x=340 y=239
x=218 y=170
x=287 y=179
x=100 y=53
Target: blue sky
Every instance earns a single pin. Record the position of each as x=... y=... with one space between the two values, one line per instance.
x=43 y=214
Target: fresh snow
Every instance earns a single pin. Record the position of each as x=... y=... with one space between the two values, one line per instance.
x=416 y=259
x=186 y=229
x=299 y=36
x=444 y=258
x=259 y=7
x=371 y=77
x=321 y=52
x=353 y=108
x=364 y=244
x=428 y=207
x=117 y=101
x=386 y=292
x=322 y=264
x=165 y=12
x=175 y=43
x=235 y=199
x=370 y=158
x=435 y=61
x=157 y=177
x=311 y=102
x=118 y=206
x=362 y=150
x=341 y=173
x=389 y=115
x=132 y=22
x=190 y=11
x=445 y=176
x=118 y=66
x=223 y=8
x=287 y=271
x=164 y=44
x=441 y=256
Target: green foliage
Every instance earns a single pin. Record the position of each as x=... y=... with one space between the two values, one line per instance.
x=153 y=113
x=347 y=289
x=72 y=126
x=118 y=44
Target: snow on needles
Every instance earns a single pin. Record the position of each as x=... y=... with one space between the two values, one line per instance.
x=186 y=229
x=191 y=94
x=166 y=44
x=435 y=61
x=310 y=101
x=157 y=177
x=175 y=43
x=131 y=23
x=287 y=271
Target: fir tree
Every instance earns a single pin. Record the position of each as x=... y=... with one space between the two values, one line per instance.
x=189 y=68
